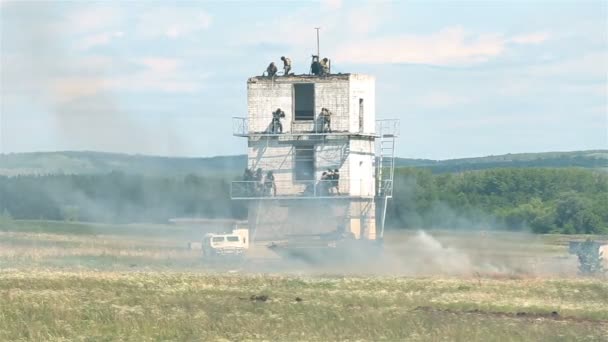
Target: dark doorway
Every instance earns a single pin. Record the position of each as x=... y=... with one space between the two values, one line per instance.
x=304 y=163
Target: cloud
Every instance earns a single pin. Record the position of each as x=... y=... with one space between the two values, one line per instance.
x=354 y=35
x=297 y=36
x=66 y=89
x=331 y=5
x=591 y=64
x=94 y=18
x=447 y=47
x=160 y=65
x=441 y=100
x=531 y=38
x=99 y=39
x=171 y=22
x=365 y=19
x=156 y=74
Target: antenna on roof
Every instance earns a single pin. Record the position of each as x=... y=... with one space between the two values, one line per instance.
x=318 y=28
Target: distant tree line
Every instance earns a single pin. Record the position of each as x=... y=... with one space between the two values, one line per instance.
x=556 y=162
x=116 y=197
x=542 y=200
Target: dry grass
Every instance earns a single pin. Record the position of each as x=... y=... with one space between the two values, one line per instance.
x=56 y=305
x=140 y=284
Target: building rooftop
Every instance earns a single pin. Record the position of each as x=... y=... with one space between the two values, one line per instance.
x=302 y=77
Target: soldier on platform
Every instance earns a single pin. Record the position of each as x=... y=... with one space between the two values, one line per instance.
x=325 y=120
x=269 y=185
x=335 y=180
x=323 y=188
x=257 y=178
x=272 y=69
x=327 y=181
x=248 y=178
x=276 y=125
x=286 y=65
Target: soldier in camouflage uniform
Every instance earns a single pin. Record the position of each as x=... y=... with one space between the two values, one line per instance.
x=276 y=125
x=324 y=67
x=286 y=65
x=325 y=120
x=272 y=69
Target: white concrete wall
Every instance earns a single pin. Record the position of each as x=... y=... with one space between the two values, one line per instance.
x=340 y=94
x=264 y=96
x=353 y=157
x=269 y=154
x=333 y=95
x=276 y=222
x=361 y=167
x=362 y=87
x=333 y=154
x=362 y=214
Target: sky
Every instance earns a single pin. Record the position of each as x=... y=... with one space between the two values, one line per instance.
x=466 y=78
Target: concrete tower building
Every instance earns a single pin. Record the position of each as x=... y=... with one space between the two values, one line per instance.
x=308 y=197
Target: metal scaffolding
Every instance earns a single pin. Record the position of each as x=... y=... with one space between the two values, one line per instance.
x=385 y=137
x=356 y=197
x=387 y=132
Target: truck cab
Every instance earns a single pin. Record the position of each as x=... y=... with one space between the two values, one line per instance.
x=233 y=244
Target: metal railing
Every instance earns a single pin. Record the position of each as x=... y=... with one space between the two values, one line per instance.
x=241 y=127
x=385 y=188
x=387 y=127
x=301 y=189
x=318 y=126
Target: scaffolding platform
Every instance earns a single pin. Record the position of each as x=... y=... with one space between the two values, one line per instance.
x=290 y=190
x=384 y=128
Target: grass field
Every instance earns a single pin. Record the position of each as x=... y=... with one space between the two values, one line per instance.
x=61 y=281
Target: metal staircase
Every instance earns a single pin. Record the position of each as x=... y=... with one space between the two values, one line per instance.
x=387 y=132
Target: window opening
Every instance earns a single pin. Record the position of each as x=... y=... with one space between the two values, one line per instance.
x=304 y=101
x=361 y=115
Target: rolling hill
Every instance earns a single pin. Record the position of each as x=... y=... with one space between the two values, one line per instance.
x=71 y=162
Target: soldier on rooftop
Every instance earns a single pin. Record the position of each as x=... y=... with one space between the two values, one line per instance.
x=272 y=69
x=324 y=66
x=286 y=65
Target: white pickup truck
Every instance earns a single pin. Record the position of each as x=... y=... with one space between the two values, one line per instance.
x=226 y=245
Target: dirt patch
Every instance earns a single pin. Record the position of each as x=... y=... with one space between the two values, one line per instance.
x=554 y=315
x=256 y=298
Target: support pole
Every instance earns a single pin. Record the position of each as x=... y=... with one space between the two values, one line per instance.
x=318 y=53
